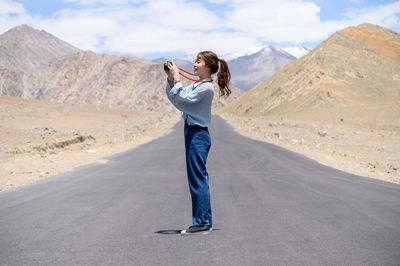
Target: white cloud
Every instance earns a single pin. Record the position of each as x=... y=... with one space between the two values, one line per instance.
x=8 y=7
x=144 y=26
x=12 y=14
x=165 y=40
x=95 y=2
x=385 y=15
x=154 y=26
x=283 y=21
x=298 y=21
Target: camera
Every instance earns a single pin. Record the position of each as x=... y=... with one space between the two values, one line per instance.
x=166 y=67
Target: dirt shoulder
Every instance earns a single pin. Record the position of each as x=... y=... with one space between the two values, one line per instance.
x=360 y=148
x=41 y=139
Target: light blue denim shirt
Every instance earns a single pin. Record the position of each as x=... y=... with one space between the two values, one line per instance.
x=194 y=101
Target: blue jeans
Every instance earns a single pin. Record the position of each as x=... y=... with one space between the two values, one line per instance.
x=197 y=146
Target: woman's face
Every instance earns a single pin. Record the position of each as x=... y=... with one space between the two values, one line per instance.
x=200 y=68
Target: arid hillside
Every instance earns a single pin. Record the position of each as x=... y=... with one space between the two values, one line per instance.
x=358 y=66
x=66 y=74
x=339 y=104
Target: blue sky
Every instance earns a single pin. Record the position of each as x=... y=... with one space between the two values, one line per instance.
x=172 y=28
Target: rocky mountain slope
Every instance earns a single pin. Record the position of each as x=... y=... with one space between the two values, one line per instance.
x=76 y=76
x=110 y=80
x=358 y=66
x=23 y=48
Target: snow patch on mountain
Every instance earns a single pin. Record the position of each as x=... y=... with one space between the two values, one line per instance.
x=245 y=52
x=297 y=51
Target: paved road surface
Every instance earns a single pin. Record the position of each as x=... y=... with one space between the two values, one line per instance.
x=271 y=207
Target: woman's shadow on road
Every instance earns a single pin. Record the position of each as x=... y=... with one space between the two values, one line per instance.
x=174 y=232
x=168 y=232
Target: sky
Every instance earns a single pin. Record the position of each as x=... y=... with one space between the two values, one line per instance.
x=174 y=28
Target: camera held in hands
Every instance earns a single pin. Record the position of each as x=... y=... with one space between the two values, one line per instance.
x=166 y=67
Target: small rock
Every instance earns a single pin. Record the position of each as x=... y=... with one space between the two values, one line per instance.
x=391 y=167
x=278 y=134
x=44 y=174
x=322 y=133
x=91 y=151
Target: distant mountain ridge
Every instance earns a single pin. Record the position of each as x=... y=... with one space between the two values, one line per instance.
x=245 y=52
x=36 y=64
x=250 y=66
x=357 y=66
x=248 y=70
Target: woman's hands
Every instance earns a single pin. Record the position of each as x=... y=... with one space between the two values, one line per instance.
x=173 y=72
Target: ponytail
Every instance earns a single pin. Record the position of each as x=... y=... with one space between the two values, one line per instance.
x=223 y=76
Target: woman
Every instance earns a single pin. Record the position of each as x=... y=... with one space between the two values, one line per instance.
x=195 y=103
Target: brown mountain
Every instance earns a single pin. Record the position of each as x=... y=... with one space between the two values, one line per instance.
x=83 y=76
x=23 y=48
x=358 y=66
x=111 y=80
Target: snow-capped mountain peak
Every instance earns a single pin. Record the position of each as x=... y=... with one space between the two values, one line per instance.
x=248 y=51
x=297 y=50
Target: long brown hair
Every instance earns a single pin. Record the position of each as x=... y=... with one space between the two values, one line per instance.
x=223 y=76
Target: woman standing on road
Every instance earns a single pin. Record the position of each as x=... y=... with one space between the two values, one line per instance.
x=195 y=103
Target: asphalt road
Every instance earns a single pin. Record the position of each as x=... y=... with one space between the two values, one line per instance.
x=270 y=207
